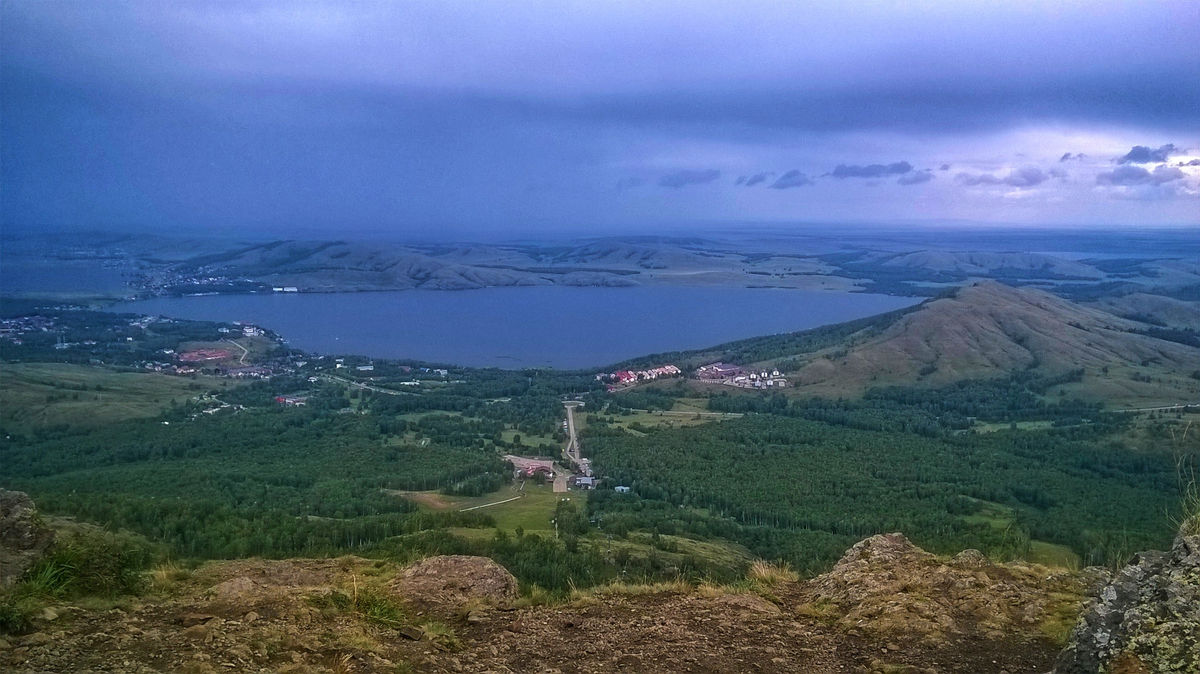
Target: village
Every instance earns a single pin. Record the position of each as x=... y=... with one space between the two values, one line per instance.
x=626 y=378
x=737 y=376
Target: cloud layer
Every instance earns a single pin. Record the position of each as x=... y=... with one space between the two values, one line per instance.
x=396 y=116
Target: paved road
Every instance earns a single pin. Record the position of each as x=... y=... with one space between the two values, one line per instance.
x=678 y=413
x=366 y=387
x=561 y=475
x=1160 y=409
x=571 y=452
x=245 y=351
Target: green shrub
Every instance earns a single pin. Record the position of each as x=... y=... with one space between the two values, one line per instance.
x=89 y=561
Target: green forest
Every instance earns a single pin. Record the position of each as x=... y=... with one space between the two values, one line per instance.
x=990 y=464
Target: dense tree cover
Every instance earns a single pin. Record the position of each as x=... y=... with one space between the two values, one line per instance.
x=841 y=484
x=117 y=340
x=273 y=481
x=795 y=479
x=771 y=347
x=930 y=411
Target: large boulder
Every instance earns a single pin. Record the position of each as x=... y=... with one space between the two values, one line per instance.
x=890 y=587
x=23 y=539
x=1147 y=619
x=453 y=580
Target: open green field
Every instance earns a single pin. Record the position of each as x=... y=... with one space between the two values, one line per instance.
x=531 y=510
x=1052 y=555
x=1001 y=518
x=47 y=394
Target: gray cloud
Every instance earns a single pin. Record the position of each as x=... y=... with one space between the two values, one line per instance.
x=1069 y=157
x=751 y=181
x=916 y=177
x=1194 y=162
x=688 y=177
x=1136 y=175
x=1140 y=154
x=627 y=183
x=871 y=170
x=1027 y=176
x=944 y=167
x=791 y=178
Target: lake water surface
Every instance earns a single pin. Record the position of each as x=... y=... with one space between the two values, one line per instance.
x=525 y=327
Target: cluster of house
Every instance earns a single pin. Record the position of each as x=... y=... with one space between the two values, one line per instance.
x=12 y=328
x=292 y=400
x=247 y=330
x=627 y=377
x=734 y=375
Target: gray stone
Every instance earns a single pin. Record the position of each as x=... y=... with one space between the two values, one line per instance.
x=1149 y=611
x=23 y=538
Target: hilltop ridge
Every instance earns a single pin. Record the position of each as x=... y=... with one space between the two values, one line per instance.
x=988 y=329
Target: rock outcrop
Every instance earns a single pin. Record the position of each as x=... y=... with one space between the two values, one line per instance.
x=887 y=586
x=1147 y=619
x=23 y=540
x=453 y=580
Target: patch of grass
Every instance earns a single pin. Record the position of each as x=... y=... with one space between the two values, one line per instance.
x=532 y=511
x=37 y=395
x=166 y=576
x=821 y=610
x=1052 y=555
x=441 y=635
x=623 y=589
x=535 y=595
x=1062 y=612
x=771 y=574
x=17 y=611
x=367 y=603
x=83 y=563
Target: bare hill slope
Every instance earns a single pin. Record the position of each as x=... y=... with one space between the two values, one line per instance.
x=989 y=329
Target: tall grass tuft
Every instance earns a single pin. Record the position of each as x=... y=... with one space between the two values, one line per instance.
x=771 y=574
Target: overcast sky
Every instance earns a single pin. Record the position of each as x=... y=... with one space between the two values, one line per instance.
x=411 y=117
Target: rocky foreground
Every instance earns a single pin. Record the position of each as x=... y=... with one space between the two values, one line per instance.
x=887 y=606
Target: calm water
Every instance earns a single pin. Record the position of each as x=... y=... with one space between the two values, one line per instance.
x=43 y=275
x=523 y=327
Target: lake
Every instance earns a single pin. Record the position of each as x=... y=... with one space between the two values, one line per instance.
x=526 y=327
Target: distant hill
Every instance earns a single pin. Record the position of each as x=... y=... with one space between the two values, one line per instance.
x=989 y=329
x=1034 y=265
x=1154 y=309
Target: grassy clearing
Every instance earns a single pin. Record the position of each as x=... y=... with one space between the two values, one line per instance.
x=257 y=348
x=531 y=511
x=36 y=395
x=690 y=405
x=992 y=427
x=1052 y=555
x=658 y=420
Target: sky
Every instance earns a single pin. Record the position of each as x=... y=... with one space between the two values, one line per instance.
x=412 y=118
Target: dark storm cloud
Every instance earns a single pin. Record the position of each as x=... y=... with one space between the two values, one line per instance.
x=915 y=178
x=402 y=113
x=688 y=177
x=1028 y=176
x=1140 y=154
x=793 y=178
x=1136 y=175
x=755 y=179
x=871 y=170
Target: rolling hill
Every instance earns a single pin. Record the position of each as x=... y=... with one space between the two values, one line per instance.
x=989 y=329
